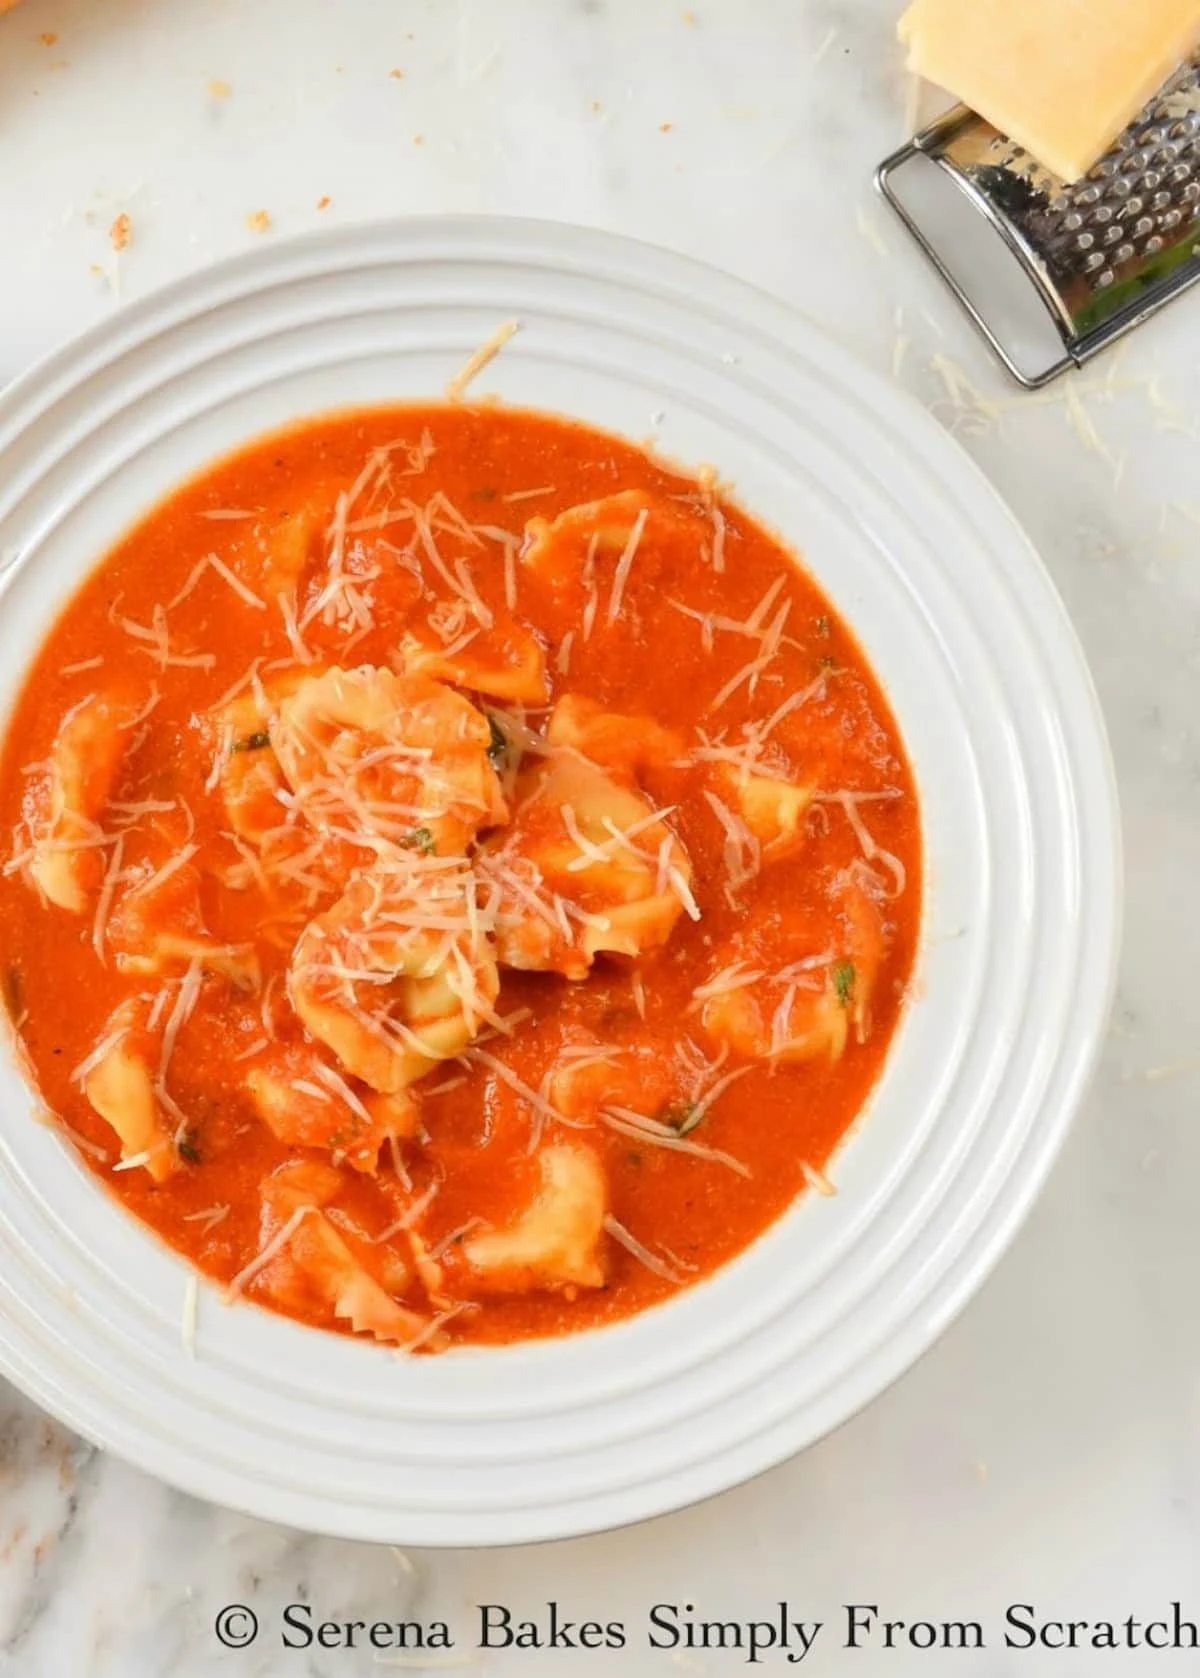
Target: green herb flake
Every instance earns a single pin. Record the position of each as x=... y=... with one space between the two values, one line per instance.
x=188 y=1147
x=498 y=745
x=844 y=978
x=253 y=742
x=420 y=839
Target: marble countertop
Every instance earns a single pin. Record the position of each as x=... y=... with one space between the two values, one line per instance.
x=1048 y=1450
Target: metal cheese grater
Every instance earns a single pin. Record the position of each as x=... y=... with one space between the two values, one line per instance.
x=1102 y=255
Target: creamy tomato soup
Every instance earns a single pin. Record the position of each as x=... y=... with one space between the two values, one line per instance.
x=462 y=875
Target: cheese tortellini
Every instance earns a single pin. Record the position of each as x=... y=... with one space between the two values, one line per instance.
x=558 y=551
x=68 y=862
x=773 y=811
x=589 y=1075
x=158 y=927
x=318 y=1263
x=506 y=662
x=556 y=1241
x=120 y=1087
x=397 y=975
x=250 y=778
x=807 y=1011
x=630 y=744
x=402 y=760
x=586 y=868
x=305 y=1107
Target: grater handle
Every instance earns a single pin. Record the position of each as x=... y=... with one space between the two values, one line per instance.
x=917 y=152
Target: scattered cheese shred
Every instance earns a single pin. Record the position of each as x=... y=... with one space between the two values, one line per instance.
x=624 y=565
x=211 y=562
x=186 y=997
x=105 y=899
x=818 y=1182
x=644 y=1255
x=92 y=1149
x=641 y=1128
x=209 y=1216
x=263 y=1257
x=872 y=852
x=475 y=364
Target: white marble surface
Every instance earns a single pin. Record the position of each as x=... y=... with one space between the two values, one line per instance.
x=1048 y=1450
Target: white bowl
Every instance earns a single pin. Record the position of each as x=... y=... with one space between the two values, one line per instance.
x=1020 y=934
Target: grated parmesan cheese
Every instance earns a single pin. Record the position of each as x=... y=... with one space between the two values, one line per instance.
x=475 y=364
x=624 y=565
x=626 y=1122
x=209 y=1216
x=263 y=1257
x=187 y=996
x=872 y=852
x=658 y=1266
x=211 y=562
x=104 y=901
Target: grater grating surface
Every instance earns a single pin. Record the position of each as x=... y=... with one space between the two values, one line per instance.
x=1104 y=253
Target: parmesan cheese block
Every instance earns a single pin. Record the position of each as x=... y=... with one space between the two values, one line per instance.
x=1062 y=78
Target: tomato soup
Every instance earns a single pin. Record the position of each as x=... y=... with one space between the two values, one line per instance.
x=462 y=877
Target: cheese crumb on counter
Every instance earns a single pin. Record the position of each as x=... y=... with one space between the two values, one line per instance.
x=120 y=231
x=258 y=221
x=1063 y=78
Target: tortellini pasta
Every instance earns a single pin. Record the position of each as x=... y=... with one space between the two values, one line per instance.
x=306 y=1108
x=400 y=759
x=557 y=550
x=808 y=1011
x=586 y=868
x=773 y=811
x=120 y=1087
x=250 y=777
x=318 y=1259
x=506 y=661
x=626 y=743
x=814 y=1023
x=556 y=1241
x=68 y=862
x=157 y=926
x=589 y=1075
x=287 y=545
x=397 y=975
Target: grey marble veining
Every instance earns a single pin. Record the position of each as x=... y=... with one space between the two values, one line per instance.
x=1048 y=1450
